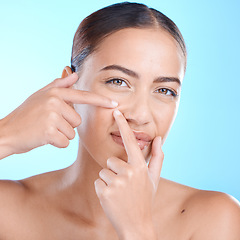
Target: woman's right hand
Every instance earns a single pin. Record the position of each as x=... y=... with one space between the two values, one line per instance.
x=46 y=117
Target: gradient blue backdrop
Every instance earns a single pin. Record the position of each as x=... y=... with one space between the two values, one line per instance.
x=202 y=149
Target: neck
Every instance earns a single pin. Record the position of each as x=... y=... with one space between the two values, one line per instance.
x=79 y=179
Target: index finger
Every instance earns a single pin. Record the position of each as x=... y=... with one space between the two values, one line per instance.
x=85 y=97
x=62 y=82
x=129 y=140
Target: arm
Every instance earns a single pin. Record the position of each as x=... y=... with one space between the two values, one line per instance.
x=29 y=125
x=5 y=142
x=46 y=117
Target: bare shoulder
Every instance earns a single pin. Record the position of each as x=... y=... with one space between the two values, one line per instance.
x=17 y=192
x=9 y=191
x=19 y=201
x=216 y=215
x=201 y=214
x=12 y=195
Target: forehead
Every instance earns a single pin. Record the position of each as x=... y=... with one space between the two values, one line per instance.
x=149 y=52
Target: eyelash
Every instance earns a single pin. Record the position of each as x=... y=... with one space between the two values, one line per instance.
x=115 y=79
x=111 y=81
x=168 y=90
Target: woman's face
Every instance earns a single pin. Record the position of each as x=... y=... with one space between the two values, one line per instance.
x=141 y=69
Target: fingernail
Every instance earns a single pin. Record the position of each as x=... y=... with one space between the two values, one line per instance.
x=117 y=112
x=114 y=103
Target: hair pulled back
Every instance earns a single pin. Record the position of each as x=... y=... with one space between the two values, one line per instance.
x=94 y=28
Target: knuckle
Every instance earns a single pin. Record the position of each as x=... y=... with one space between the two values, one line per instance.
x=54 y=91
x=102 y=172
x=129 y=172
x=118 y=182
x=53 y=101
x=114 y=162
x=52 y=116
x=97 y=182
x=105 y=194
x=110 y=160
x=50 y=132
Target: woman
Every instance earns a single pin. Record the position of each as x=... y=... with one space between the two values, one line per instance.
x=122 y=93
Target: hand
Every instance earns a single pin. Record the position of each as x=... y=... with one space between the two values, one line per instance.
x=126 y=189
x=47 y=116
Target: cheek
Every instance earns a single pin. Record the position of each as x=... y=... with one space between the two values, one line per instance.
x=164 y=118
x=94 y=131
x=94 y=119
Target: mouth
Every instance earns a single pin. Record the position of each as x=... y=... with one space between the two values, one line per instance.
x=143 y=139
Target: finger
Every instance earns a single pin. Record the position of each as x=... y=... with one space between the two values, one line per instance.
x=129 y=140
x=117 y=165
x=85 y=97
x=65 y=128
x=156 y=161
x=62 y=82
x=57 y=139
x=100 y=187
x=107 y=176
x=71 y=116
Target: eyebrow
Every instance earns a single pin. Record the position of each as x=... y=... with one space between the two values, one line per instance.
x=167 y=79
x=135 y=75
x=122 y=69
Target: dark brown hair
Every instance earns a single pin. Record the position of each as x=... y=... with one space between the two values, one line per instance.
x=94 y=28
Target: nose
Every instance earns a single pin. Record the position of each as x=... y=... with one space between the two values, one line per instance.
x=137 y=111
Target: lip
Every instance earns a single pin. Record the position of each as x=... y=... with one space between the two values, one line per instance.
x=143 y=139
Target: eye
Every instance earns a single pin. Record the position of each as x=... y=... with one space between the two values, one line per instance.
x=117 y=82
x=167 y=92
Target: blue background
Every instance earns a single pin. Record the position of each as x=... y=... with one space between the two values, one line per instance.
x=202 y=149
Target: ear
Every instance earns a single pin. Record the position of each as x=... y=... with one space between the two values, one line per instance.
x=66 y=72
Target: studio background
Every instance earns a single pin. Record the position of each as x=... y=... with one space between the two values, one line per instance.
x=202 y=149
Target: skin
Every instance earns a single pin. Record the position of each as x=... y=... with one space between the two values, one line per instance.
x=112 y=191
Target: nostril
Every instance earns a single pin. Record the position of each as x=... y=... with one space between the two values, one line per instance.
x=136 y=111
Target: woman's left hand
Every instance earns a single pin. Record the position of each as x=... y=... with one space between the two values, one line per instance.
x=126 y=190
